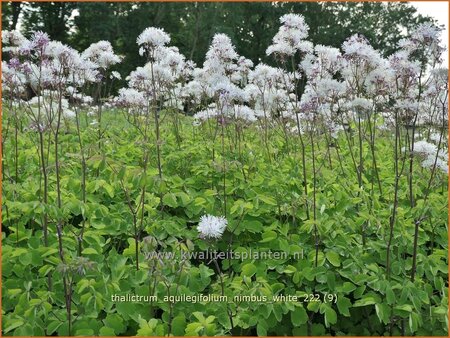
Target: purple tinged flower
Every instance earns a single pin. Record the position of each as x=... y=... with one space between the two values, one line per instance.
x=40 y=39
x=14 y=63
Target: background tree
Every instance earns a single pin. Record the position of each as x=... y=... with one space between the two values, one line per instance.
x=10 y=14
x=54 y=18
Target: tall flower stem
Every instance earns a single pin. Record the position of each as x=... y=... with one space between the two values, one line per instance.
x=156 y=116
x=59 y=225
x=224 y=171
x=393 y=217
x=305 y=178
x=83 y=181
x=222 y=287
x=316 y=230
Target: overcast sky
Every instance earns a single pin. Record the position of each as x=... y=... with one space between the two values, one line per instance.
x=438 y=10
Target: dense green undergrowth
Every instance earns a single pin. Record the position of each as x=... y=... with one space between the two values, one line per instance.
x=266 y=208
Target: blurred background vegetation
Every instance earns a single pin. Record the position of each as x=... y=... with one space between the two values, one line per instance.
x=191 y=25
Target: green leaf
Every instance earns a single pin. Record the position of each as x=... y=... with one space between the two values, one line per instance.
x=404 y=307
x=13 y=292
x=178 y=325
x=333 y=258
x=193 y=329
x=48 y=251
x=84 y=332
x=368 y=300
x=147 y=328
x=248 y=270
x=382 y=311
x=109 y=189
x=52 y=327
x=348 y=287
x=25 y=259
x=343 y=304
x=107 y=331
x=299 y=316
x=210 y=319
x=268 y=236
x=261 y=329
x=414 y=321
x=89 y=251
x=185 y=200
x=13 y=324
x=289 y=269
x=330 y=316
x=252 y=226
x=390 y=296
x=440 y=310
x=267 y=199
x=199 y=316
x=170 y=199
x=115 y=322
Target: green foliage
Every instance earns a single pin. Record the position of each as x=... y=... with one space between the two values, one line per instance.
x=348 y=292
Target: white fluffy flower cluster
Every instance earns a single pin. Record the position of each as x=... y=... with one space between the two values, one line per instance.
x=406 y=71
x=244 y=113
x=102 y=54
x=325 y=62
x=220 y=55
x=379 y=82
x=222 y=78
x=140 y=78
x=13 y=78
x=115 y=75
x=290 y=36
x=266 y=76
x=170 y=62
x=431 y=155
x=50 y=100
x=35 y=45
x=47 y=65
x=12 y=40
x=427 y=38
x=130 y=98
x=205 y=114
x=55 y=72
x=322 y=89
x=268 y=90
x=161 y=77
x=426 y=33
x=237 y=112
x=360 y=104
x=243 y=68
x=152 y=38
x=361 y=59
x=358 y=48
x=211 y=227
x=222 y=67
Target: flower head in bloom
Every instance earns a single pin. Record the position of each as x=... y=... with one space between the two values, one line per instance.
x=153 y=37
x=40 y=39
x=102 y=54
x=12 y=40
x=211 y=226
x=427 y=39
x=220 y=56
x=130 y=98
x=290 y=36
x=431 y=155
